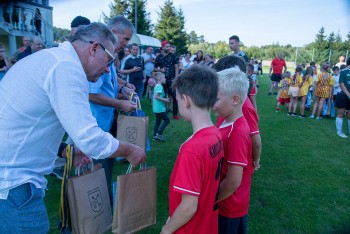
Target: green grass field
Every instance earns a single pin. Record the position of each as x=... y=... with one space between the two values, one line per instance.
x=303 y=185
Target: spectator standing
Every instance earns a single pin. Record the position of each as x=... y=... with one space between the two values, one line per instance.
x=134 y=68
x=26 y=43
x=167 y=63
x=341 y=61
x=275 y=73
x=199 y=59
x=36 y=44
x=234 y=44
x=186 y=62
x=342 y=101
x=37 y=20
x=149 y=58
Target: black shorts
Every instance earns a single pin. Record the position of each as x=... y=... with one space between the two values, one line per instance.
x=233 y=225
x=276 y=77
x=342 y=101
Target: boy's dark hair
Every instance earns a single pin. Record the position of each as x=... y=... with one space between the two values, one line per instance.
x=342 y=66
x=312 y=64
x=348 y=62
x=335 y=68
x=298 y=69
x=230 y=61
x=200 y=83
x=234 y=37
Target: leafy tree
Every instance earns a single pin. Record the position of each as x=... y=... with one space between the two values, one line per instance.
x=170 y=26
x=331 y=40
x=119 y=7
x=192 y=38
x=144 y=25
x=127 y=9
x=321 y=47
x=60 y=34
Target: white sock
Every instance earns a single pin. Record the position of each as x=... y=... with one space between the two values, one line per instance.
x=339 y=124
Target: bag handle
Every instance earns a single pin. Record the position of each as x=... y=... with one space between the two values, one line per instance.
x=64 y=221
x=80 y=169
x=130 y=170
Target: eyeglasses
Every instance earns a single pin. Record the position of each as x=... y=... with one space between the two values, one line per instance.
x=110 y=62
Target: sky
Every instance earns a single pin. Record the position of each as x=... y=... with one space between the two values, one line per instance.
x=256 y=22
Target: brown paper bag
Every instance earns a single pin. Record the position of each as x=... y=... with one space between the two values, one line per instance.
x=133 y=130
x=89 y=203
x=135 y=206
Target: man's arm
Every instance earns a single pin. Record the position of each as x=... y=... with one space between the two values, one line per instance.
x=232 y=181
x=271 y=67
x=133 y=153
x=103 y=100
x=129 y=71
x=183 y=213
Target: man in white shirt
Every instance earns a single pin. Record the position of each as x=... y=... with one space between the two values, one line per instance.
x=149 y=58
x=41 y=97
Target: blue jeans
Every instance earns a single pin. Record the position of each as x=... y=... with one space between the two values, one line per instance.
x=139 y=89
x=24 y=211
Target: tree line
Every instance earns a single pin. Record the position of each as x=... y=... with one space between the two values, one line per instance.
x=170 y=26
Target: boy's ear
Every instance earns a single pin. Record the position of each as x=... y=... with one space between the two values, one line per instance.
x=187 y=100
x=235 y=100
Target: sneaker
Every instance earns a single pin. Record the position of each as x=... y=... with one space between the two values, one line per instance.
x=289 y=114
x=319 y=118
x=293 y=114
x=277 y=111
x=159 y=137
x=342 y=135
x=302 y=116
x=269 y=94
x=58 y=172
x=176 y=117
x=274 y=93
x=312 y=116
x=120 y=160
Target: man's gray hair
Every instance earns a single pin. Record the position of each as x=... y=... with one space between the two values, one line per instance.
x=94 y=32
x=119 y=24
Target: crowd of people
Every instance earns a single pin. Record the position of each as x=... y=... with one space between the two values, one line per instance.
x=85 y=82
x=330 y=90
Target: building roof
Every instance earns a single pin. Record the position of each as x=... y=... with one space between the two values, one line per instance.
x=144 y=40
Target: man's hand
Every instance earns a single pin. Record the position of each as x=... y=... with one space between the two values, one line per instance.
x=136 y=155
x=80 y=158
x=127 y=92
x=135 y=69
x=130 y=86
x=127 y=106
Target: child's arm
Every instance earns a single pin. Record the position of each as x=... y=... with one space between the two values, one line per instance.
x=231 y=182
x=256 y=143
x=158 y=97
x=183 y=213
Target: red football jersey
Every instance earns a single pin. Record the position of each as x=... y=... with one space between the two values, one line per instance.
x=197 y=172
x=238 y=152
x=277 y=66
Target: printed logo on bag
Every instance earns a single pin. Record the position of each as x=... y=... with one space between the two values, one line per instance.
x=131 y=134
x=95 y=200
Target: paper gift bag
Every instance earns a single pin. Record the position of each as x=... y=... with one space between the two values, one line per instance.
x=133 y=130
x=89 y=203
x=135 y=206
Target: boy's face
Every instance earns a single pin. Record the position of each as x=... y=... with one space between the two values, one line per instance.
x=233 y=44
x=223 y=105
x=336 y=72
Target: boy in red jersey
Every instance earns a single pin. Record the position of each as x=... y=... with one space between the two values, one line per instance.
x=238 y=166
x=194 y=181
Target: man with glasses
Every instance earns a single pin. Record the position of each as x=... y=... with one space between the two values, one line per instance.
x=103 y=93
x=36 y=44
x=53 y=88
